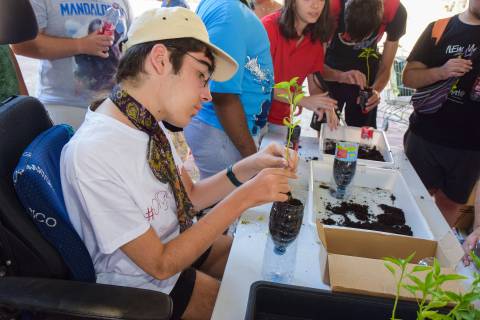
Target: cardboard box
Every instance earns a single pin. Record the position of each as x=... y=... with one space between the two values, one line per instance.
x=355 y=259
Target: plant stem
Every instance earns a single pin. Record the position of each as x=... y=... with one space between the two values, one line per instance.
x=399 y=283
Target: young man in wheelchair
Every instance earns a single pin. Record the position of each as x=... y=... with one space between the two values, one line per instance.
x=124 y=187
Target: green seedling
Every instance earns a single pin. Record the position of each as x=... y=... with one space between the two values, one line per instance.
x=428 y=293
x=292 y=92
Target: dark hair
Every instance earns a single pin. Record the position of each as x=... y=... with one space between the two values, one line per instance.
x=362 y=17
x=133 y=60
x=319 y=31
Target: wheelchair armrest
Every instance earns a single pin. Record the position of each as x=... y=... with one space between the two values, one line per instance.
x=82 y=299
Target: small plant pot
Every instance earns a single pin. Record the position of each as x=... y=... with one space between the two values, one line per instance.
x=285 y=222
x=364 y=95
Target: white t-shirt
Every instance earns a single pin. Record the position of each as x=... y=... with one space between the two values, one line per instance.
x=112 y=197
x=78 y=80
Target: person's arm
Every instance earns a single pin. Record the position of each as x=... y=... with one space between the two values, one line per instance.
x=417 y=75
x=383 y=75
x=21 y=83
x=474 y=237
x=50 y=48
x=355 y=77
x=209 y=191
x=162 y=261
x=385 y=66
x=231 y=115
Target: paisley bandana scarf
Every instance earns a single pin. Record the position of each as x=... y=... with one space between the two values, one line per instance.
x=160 y=157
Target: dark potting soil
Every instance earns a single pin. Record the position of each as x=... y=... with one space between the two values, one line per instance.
x=364 y=151
x=392 y=220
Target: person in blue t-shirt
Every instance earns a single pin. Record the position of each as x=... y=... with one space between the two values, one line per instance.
x=221 y=133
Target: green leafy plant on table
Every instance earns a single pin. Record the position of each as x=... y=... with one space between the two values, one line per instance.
x=292 y=92
x=429 y=294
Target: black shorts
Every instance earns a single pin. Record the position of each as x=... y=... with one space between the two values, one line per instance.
x=183 y=289
x=454 y=171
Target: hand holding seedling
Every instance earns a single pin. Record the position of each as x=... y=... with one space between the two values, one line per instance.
x=354 y=77
x=373 y=101
x=273 y=157
x=269 y=185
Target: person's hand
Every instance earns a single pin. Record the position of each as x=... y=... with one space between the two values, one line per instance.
x=332 y=119
x=319 y=102
x=273 y=156
x=456 y=67
x=354 y=77
x=469 y=244
x=373 y=101
x=95 y=44
x=269 y=185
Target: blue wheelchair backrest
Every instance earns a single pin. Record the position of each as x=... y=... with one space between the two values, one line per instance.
x=37 y=182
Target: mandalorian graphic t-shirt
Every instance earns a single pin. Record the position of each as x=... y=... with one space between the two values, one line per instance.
x=77 y=81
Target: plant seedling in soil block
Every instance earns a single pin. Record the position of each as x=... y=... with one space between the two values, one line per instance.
x=293 y=94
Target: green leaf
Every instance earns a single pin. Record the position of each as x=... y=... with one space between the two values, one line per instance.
x=436 y=267
x=452 y=296
x=410 y=257
x=453 y=277
x=282 y=85
x=429 y=314
x=286 y=122
x=437 y=304
x=390 y=268
x=393 y=260
x=417 y=281
x=297 y=122
x=293 y=81
x=421 y=268
x=412 y=289
x=476 y=260
x=297 y=98
x=284 y=96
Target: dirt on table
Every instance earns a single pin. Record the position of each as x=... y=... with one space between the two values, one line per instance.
x=392 y=219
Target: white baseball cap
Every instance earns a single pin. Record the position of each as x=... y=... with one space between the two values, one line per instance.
x=174 y=23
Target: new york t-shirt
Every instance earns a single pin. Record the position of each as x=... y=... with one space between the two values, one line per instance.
x=456 y=123
x=79 y=80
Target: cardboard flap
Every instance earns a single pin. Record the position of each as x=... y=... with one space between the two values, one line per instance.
x=371 y=277
x=372 y=244
x=449 y=250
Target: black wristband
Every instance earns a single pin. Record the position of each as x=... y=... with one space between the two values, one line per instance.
x=232 y=178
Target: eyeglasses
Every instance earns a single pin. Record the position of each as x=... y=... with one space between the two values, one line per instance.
x=209 y=66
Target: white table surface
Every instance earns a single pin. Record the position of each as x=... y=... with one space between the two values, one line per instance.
x=245 y=262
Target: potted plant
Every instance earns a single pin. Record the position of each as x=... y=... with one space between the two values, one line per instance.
x=430 y=296
x=286 y=217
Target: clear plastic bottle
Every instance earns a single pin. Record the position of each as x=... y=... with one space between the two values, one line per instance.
x=111 y=19
x=279 y=267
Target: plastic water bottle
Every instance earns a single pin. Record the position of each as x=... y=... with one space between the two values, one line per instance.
x=111 y=19
x=279 y=267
